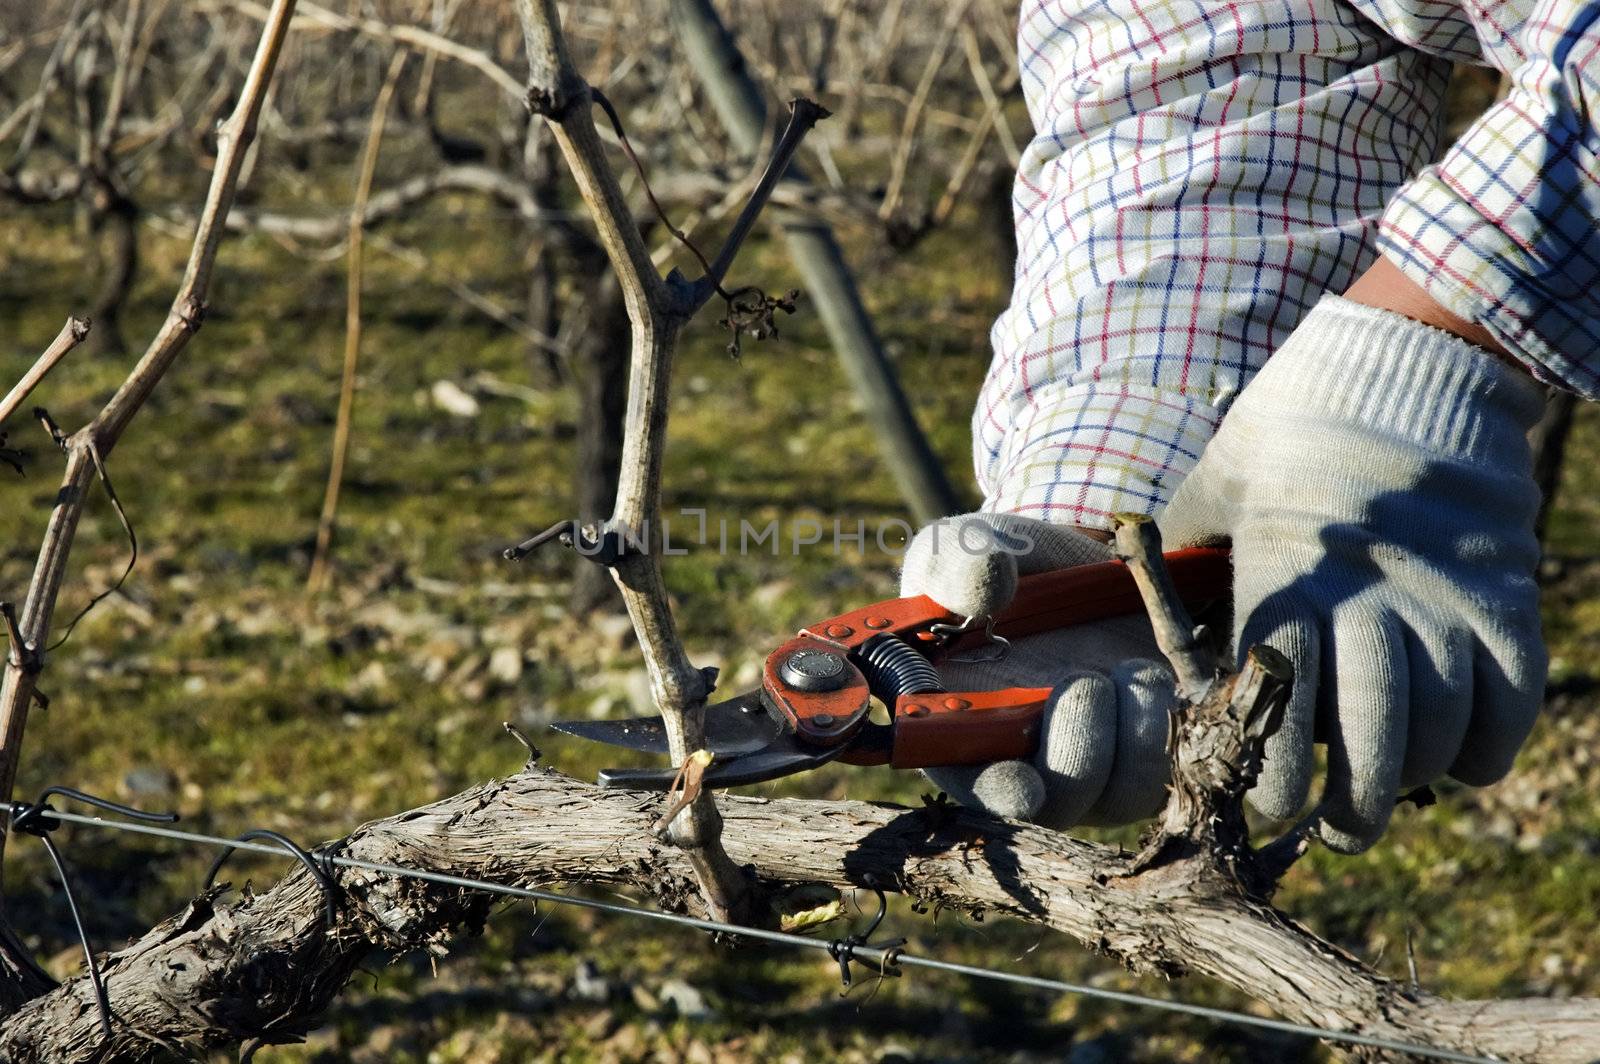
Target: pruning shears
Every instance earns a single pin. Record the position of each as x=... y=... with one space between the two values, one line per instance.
x=817 y=689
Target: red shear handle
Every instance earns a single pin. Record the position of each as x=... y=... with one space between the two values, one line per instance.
x=976 y=727
x=1062 y=598
x=967 y=727
x=972 y=727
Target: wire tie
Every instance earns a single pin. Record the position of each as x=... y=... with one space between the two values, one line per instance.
x=318 y=862
x=843 y=950
x=34 y=819
x=601 y=546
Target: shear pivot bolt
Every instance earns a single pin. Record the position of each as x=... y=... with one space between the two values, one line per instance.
x=814 y=670
x=823 y=720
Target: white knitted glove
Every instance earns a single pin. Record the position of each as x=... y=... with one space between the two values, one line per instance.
x=1376 y=483
x=1102 y=749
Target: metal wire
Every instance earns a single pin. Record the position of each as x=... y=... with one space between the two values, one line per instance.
x=39 y=819
x=315 y=863
x=884 y=957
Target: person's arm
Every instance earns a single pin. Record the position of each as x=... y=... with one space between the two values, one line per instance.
x=1199 y=176
x=1504 y=232
x=1197 y=179
x=1386 y=287
x=1375 y=478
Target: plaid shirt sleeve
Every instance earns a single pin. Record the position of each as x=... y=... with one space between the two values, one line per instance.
x=1203 y=171
x=1505 y=230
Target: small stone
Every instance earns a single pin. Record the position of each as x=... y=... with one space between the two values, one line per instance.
x=451 y=723
x=466 y=669
x=588 y=984
x=505 y=664
x=769 y=594
x=627 y=1043
x=690 y=1003
x=385 y=1038
x=322 y=1040
x=448 y=396
x=375 y=677
x=148 y=781
x=601 y=1025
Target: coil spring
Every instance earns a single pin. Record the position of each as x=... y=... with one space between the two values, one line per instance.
x=894 y=669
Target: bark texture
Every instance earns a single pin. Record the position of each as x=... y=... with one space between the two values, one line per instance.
x=228 y=969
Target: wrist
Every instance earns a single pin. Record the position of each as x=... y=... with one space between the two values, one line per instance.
x=1384 y=286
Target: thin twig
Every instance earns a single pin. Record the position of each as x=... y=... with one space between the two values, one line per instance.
x=913 y=116
x=71 y=335
x=1138 y=544
x=87 y=450
x=979 y=137
x=803 y=115
x=993 y=110
x=644 y=180
x=133 y=547
x=412 y=36
x=33 y=108
x=958 y=178
x=429 y=271
x=121 y=77
x=17 y=651
x=317 y=578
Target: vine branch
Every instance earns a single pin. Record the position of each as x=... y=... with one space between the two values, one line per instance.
x=73 y=333
x=87 y=449
x=268 y=964
x=658 y=308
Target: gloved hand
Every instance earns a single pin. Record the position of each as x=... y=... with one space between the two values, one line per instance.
x=1102 y=749
x=1377 y=485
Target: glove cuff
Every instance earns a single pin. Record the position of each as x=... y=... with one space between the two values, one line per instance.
x=1394 y=377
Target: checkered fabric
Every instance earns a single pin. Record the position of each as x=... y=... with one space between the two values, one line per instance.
x=1203 y=171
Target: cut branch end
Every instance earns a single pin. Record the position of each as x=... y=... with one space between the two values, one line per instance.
x=1138 y=545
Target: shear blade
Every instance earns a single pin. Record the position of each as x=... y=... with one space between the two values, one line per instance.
x=736 y=727
x=781 y=756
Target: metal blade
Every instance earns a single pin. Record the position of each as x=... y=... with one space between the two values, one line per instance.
x=738 y=726
x=783 y=756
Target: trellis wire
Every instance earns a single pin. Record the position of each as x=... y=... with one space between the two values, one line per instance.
x=884 y=957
